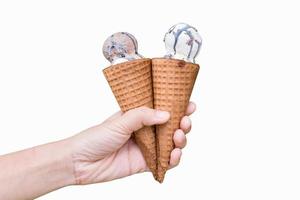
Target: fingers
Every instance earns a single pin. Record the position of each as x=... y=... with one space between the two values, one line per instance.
x=161 y=117
x=175 y=157
x=136 y=118
x=179 y=139
x=186 y=124
x=191 y=108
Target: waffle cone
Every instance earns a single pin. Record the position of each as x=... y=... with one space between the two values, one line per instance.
x=131 y=83
x=173 y=82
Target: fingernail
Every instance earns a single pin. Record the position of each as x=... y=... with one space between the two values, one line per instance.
x=162 y=114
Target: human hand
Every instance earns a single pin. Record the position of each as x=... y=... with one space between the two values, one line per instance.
x=106 y=152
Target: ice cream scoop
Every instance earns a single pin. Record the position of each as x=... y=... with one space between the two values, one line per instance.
x=120 y=47
x=182 y=41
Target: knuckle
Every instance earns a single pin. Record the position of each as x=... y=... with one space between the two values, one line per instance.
x=135 y=111
x=142 y=111
x=139 y=110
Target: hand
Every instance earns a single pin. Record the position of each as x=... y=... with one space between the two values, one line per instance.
x=106 y=152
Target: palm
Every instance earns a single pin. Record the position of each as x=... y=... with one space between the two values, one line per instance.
x=126 y=161
x=106 y=157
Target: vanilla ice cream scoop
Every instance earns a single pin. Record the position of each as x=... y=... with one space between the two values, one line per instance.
x=183 y=42
x=120 y=47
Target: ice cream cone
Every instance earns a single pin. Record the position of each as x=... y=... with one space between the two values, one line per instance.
x=131 y=83
x=173 y=82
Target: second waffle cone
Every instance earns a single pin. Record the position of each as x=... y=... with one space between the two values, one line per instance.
x=173 y=82
x=131 y=83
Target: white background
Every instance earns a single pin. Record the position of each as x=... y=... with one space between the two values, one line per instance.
x=245 y=138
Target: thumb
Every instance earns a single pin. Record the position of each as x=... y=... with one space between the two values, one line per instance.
x=137 y=118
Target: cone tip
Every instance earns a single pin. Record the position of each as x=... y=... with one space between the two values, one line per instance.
x=159 y=179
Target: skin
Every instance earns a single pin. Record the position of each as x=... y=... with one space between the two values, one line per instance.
x=101 y=153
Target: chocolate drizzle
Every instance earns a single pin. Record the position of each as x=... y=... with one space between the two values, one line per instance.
x=193 y=44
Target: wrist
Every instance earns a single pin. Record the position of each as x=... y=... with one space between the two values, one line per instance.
x=65 y=163
x=57 y=162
